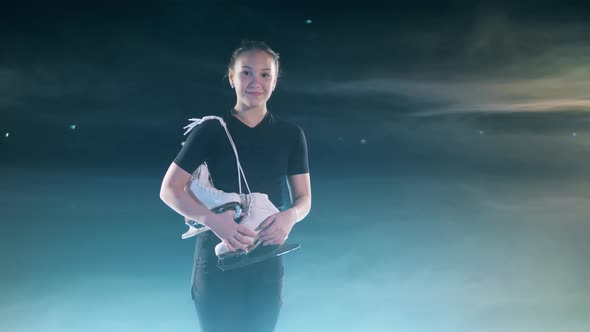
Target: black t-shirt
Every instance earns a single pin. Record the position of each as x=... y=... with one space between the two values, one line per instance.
x=268 y=153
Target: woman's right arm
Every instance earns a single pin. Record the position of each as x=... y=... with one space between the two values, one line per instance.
x=174 y=193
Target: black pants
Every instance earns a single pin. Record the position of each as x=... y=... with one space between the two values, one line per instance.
x=248 y=299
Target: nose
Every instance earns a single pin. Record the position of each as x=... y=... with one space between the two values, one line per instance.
x=255 y=80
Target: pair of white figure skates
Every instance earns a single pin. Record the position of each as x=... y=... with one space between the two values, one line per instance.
x=255 y=206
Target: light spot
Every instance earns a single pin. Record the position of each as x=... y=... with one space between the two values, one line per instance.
x=574 y=134
x=73 y=127
x=481 y=132
x=7 y=134
x=181 y=143
x=308 y=21
x=363 y=141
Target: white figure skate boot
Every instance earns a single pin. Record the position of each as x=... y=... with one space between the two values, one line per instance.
x=211 y=197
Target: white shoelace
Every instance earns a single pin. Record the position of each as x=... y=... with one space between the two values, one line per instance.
x=197 y=121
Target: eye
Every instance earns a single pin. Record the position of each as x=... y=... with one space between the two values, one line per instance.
x=245 y=72
x=266 y=75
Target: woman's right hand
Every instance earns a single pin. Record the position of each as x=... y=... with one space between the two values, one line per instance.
x=234 y=235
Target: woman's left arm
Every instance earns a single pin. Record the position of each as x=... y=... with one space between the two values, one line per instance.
x=300 y=187
x=276 y=228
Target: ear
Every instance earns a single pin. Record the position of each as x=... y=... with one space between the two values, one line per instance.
x=230 y=77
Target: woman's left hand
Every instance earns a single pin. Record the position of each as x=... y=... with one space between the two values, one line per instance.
x=276 y=228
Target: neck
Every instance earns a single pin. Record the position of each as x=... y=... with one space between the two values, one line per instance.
x=251 y=116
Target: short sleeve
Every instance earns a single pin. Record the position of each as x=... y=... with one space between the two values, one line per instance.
x=298 y=158
x=195 y=149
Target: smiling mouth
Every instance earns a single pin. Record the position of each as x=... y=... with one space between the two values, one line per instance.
x=254 y=93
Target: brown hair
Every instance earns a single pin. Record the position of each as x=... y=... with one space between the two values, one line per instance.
x=253 y=45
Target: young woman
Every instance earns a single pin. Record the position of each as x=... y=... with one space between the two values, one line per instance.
x=271 y=151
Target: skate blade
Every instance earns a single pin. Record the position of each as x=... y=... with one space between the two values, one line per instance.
x=239 y=259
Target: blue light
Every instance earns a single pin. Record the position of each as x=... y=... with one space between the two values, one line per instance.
x=72 y=127
x=308 y=21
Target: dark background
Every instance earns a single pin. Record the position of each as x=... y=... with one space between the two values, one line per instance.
x=128 y=75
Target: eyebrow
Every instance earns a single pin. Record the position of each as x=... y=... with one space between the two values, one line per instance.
x=244 y=66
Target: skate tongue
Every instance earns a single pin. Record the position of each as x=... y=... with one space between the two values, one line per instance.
x=235 y=260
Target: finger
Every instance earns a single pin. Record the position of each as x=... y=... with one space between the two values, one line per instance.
x=228 y=245
x=244 y=239
x=270 y=243
x=271 y=228
x=271 y=233
x=275 y=239
x=264 y=238
x=243 y=230
x=279 y=240
x=266 y=222
x=238 y=245
x=263 y=233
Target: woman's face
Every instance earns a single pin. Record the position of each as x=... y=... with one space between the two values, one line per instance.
x=254 y=77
